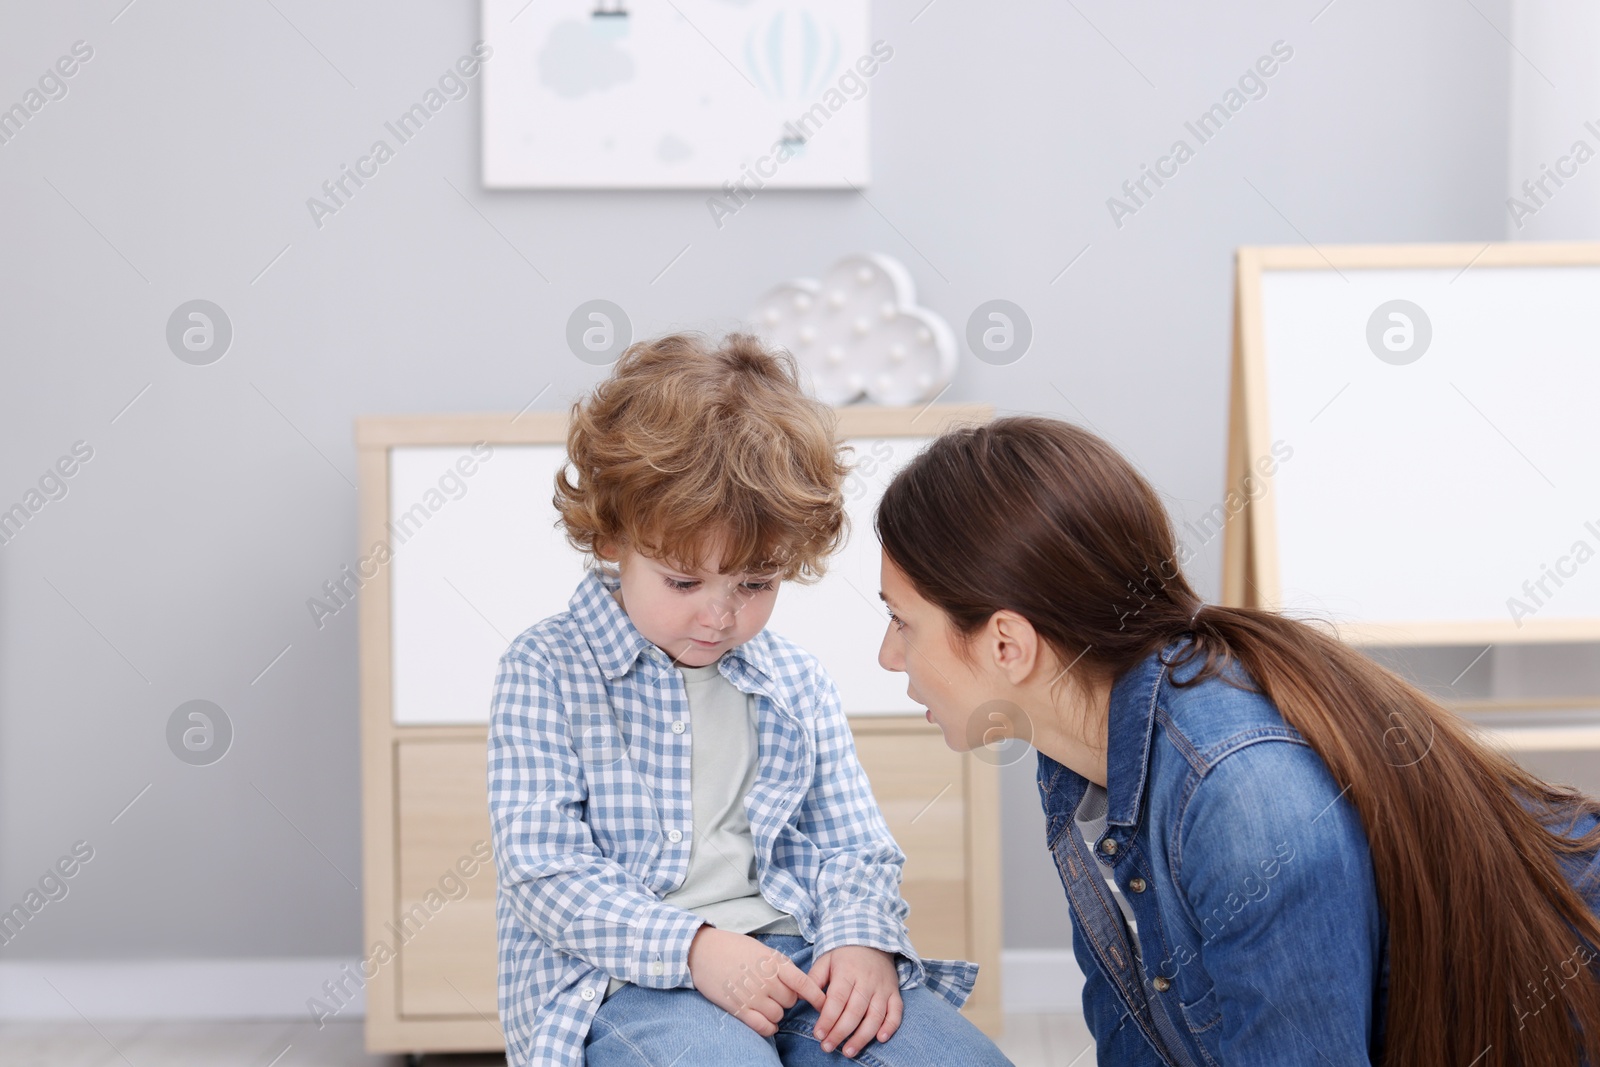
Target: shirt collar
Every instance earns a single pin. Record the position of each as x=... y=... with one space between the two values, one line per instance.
x=617 y=642
x=1131 y=723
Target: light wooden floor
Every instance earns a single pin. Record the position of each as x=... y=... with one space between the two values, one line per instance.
x=1029 y=1041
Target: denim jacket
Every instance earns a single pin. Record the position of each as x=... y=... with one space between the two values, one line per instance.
x=1249 y=877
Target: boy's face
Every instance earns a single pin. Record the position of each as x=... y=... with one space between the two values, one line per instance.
x=694 y=616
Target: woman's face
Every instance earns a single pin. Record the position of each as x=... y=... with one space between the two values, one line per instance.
x=694 y=616
x=919 y=641
x=1015 y=687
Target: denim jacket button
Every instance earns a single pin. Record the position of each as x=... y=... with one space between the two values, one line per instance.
x=1161 y=984
x=1109 y=847
x=1136 y=885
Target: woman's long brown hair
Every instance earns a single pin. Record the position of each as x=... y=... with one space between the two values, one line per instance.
x=1485 y=958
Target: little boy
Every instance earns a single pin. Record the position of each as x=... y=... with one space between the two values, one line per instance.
x=692 y=867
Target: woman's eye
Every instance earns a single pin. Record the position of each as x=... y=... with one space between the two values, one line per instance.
x=896 y=620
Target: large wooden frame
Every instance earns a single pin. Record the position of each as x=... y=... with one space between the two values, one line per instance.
x=424 y=799
x=1250 y=573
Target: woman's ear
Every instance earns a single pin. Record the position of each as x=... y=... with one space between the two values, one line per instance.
x=1013 y=643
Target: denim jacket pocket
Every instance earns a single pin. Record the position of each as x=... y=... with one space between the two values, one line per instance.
x=1202 y=1014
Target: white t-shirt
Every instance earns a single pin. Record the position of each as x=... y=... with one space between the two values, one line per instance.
x=720 y=885
x=1091 y=822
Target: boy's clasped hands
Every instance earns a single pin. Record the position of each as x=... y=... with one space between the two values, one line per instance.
x=757 y=985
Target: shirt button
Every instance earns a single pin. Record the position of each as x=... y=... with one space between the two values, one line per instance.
x=587 y=994
x=674 y=835
x=1136 y=884
x=1109 y=847
x=677 y=727
x=1161 y=984
x=655 y=968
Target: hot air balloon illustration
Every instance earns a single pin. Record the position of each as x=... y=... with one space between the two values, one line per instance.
x=792 y=54
x=609 y=20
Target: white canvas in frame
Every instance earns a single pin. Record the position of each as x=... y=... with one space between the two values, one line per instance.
x=684 y=94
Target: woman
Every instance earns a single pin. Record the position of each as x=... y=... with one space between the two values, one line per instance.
x=1275 y=850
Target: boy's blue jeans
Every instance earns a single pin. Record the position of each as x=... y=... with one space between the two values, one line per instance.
x=640 y=1027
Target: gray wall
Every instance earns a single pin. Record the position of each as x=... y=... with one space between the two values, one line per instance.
x=220 y=498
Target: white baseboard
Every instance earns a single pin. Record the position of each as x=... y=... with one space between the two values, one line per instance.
x=1034 y=980
x=177 y=989
x=1040 y=981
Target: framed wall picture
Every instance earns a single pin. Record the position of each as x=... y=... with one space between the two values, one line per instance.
x=713 y=94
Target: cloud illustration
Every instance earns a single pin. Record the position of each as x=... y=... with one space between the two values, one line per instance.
x=859 y=332
x=672 y=149
x=575 y=61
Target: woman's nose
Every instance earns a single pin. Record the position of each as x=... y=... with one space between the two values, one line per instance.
x=889 y=657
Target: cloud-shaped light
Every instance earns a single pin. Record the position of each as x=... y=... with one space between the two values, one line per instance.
x=859 y=332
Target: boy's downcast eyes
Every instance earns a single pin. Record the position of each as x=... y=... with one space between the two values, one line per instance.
x=683 y=586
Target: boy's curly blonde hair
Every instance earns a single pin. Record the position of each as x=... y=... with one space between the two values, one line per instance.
x=685 y=442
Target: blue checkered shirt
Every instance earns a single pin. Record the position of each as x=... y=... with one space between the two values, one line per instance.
x=589 y=802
